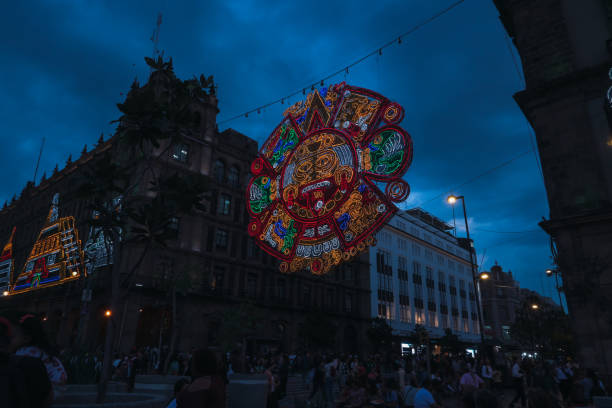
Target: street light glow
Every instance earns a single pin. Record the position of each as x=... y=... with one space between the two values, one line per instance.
x=535 y=306
x=108 y=313
x=5 y=293
x=451 y=199
x=549 y=272
x=484 y=276
x=74 y=273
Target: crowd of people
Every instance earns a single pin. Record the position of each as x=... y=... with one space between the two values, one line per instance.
x=33 y=374
x=377 y=380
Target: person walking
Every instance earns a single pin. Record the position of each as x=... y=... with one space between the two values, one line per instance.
x=518 y=383
x=487 y=373
x=207 y=388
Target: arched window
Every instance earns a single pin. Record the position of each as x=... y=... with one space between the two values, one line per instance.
x=233 y=176
x=219 y=171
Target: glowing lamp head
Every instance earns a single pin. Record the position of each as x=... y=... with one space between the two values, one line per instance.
x=484 y=276
x=108 y=313
x=549 y=272
x=451 y=199
x=535 y=306
x=5 y=293
x=74 y=273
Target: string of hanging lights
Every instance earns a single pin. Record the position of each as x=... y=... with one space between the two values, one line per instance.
x=345 y=70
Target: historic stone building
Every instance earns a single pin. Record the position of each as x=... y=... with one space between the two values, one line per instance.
x=500 y=299
x=565 y=50
x=222 y=268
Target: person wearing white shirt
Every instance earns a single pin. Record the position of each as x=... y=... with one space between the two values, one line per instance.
x=487 y=373
x=517 y=381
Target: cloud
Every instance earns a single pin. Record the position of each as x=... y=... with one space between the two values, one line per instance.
x=68 y=63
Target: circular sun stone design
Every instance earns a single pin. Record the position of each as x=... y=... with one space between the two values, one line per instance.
x=317 y=190
x=319 y=175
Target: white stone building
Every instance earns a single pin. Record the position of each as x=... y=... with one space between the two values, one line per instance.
x=419 y=274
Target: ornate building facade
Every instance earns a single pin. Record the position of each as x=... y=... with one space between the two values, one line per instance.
x=565 y=51
x=220 y=266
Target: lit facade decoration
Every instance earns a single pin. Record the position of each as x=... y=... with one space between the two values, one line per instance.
x=314 y=198
x=98 y=250
x=56 y=256
x=7 y=265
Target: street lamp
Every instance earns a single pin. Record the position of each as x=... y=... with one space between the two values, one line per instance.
x=551 y=272
x=484 y=276
x=5 y=293
x=452 y=200
x=108 y=313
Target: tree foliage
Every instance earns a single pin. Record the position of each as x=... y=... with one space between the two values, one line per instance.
x=237 y=324
x=318 y=331
x=546 y=329
x=380 y=334
x=450 y=343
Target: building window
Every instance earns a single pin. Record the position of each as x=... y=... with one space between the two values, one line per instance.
x=233 y=176
x=428 y=254
x=252 y=285
x=401 y=244
x=506 y=332
x=219 y=171
x=221 y=239
x=330 y=299
x=180 y=152
x=455 y=323
x=217 y=282
x=225 y=204
x=348 y=303
x=280 y=289
x=419 y=316
x=385 y=285
x=173 y=226
x=433 y=319
x=416 y=249
x=306 y=293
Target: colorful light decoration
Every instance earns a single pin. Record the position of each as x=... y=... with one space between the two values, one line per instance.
x=314 y=197
x=56 y=256
x=7 y=265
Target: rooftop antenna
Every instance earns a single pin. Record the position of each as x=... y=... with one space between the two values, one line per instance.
x=155 y=36
x=38 y=161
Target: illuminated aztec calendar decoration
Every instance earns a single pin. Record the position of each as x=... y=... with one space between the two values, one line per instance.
x=314 y=198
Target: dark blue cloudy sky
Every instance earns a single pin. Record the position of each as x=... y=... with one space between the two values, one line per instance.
x=65 y=64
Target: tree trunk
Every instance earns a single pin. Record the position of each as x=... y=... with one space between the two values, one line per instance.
x=174 y=331
x=110 y=326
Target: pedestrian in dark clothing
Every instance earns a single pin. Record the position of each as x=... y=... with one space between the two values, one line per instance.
x=284 y=375
x=24 y=382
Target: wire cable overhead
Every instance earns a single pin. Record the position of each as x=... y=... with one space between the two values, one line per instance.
x=345 y=70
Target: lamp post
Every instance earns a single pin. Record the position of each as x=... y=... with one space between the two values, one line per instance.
x=452 y=200
x=551 y=272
